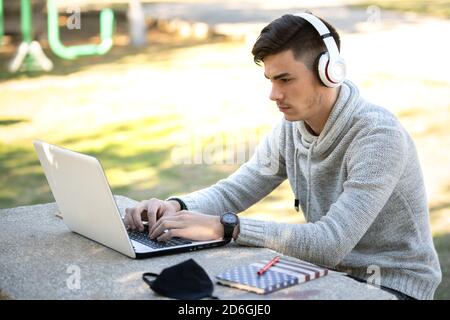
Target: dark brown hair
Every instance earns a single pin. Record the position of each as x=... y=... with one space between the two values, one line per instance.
x=295 y=33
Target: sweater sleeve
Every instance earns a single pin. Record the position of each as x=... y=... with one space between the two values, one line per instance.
x=375 y=163
x=255 y=179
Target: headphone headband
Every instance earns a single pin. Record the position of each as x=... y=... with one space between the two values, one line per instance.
x=324 y=33
x=331 y=66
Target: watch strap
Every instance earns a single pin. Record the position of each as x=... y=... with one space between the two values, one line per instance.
x=228 y=231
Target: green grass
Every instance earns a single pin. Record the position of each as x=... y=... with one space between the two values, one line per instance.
x=9 y=122
x=442 y=245
x=438 y=8
x=134 y=169
x=21 y=177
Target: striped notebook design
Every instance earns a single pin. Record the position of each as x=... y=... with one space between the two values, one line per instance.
x=283 y=274
x=246 y=278
x=302 y=270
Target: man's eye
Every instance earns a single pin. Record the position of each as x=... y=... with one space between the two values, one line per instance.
x=285 y=80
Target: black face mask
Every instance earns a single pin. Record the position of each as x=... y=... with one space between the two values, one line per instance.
x=186 y=280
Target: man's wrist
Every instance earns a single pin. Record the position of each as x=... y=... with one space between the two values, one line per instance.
x=180 y=204
x=175 y=204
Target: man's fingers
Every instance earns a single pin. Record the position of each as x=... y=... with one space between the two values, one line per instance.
x=162 y=225
x=173 y=216
x=171 y=233
x=128 y=220
x=152 y=211
x=136 y=216
x=149 y=210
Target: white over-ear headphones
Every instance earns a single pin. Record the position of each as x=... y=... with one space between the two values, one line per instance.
x=331 y=66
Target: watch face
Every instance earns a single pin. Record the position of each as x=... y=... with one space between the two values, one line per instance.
x=229 y=218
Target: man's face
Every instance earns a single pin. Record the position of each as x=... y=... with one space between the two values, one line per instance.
x=295 y=89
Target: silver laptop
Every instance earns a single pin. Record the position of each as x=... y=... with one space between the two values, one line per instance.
x=85 y=200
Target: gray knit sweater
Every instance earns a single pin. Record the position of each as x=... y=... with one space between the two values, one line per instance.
x=360 y=187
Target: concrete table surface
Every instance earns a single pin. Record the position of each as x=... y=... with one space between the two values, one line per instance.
x=40 y=256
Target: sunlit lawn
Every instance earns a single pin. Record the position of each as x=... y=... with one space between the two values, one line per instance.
x=440 y=8
x=157 y=119
x=164 y=120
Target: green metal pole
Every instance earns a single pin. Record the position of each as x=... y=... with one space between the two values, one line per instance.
x=72 y=52
x=30 y=56
x=2 y=30
x=26 y=20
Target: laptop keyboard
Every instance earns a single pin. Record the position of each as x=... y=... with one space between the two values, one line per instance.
x=142 y=237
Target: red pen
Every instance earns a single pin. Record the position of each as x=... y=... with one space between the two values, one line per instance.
x=268 y=265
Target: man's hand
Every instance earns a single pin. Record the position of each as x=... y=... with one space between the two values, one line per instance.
x=188 y=225
x=149 y=210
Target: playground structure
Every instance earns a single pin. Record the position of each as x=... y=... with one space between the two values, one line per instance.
x=31 y=57
x=1 y=22
x=106 y=33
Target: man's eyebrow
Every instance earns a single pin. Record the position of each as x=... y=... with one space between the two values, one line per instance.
x=279 y=76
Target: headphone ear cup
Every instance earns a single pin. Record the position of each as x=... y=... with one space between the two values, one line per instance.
x=322 y=64
x=324 y=70
x=337 y=71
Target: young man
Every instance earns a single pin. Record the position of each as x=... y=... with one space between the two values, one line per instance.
x=352 y=167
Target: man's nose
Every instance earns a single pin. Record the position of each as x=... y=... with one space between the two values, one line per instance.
x=275 y=94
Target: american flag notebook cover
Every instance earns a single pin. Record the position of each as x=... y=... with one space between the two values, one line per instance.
x=246 y=278
x=283 y=274
x=304 y=271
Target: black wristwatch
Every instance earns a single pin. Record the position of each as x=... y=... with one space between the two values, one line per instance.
x=229 y=220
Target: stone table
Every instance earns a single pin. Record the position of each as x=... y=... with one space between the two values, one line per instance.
x=40 y=258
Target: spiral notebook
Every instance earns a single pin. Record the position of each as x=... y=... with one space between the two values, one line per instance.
x=284 y=274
